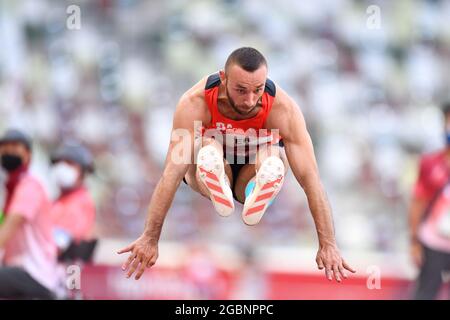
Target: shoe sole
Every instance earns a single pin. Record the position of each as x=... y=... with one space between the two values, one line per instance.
x=268 y=182
x=212 y=174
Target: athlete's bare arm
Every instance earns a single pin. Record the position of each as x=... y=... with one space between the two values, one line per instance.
x=144 y=251
x=287 y=117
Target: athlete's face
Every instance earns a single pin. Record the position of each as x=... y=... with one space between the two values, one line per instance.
x=244 y=89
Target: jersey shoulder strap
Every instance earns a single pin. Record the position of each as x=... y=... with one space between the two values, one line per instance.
x=270 y=87
x=212 y=81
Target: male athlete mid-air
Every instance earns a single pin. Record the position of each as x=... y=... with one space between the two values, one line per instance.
x=251 y=132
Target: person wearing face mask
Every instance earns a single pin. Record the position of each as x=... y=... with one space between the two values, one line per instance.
x=28 y=264
x=73 y=212
x=429 y=219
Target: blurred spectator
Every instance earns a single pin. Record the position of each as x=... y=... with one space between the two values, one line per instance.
x=203 y=273
x=430 y=219
x=73 y=212
x=29 y=261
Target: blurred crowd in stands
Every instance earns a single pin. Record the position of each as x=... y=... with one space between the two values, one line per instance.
x=370 y=97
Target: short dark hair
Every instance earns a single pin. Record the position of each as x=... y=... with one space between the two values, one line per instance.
x=247 y=58
x=446 y=108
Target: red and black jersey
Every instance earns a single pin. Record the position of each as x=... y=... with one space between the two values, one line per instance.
x=241 y=134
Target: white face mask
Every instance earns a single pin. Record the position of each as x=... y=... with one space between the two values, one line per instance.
x=64 y=175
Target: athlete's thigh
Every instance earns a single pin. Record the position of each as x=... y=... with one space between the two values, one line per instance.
x=246 y=173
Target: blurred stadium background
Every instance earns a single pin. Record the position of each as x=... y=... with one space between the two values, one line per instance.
x=370 y=98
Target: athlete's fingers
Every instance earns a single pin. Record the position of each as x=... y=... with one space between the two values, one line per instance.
x=141 y=269
x=129 y=261
x=151 y=262
x=328 y=273
x=126 y=249
x=134 y=266
x=336 y=273
x=342 y=272
x=347 y=266
x=319 y=263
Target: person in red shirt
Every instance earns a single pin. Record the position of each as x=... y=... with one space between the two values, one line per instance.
x=245 y=131
x=28 y=266
x=73 y=212
x=429 y=218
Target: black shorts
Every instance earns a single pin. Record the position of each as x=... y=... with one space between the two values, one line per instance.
x=236 y=166
x=16 y=283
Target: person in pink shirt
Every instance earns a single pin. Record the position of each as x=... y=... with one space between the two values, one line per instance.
x=429 y=218
x=73 y=212
x=28 y=263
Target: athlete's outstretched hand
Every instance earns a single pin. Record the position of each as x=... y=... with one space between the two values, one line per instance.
x=143 y=254
x=328 y=257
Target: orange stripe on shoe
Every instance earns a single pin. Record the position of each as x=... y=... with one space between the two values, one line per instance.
x=214 y=187
x=209 y=174
x=264 y=196
x=255 y=209
x=222 y=201
x=270 y=184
